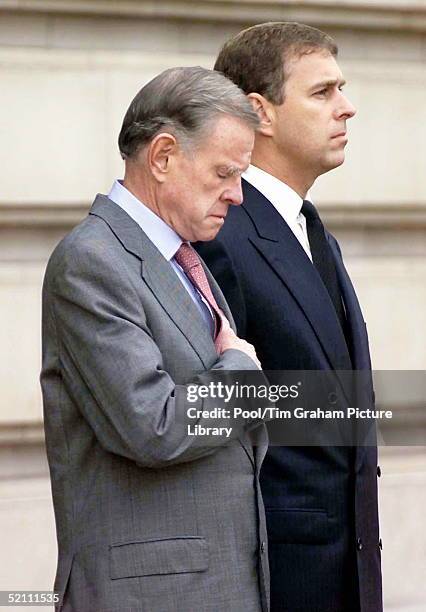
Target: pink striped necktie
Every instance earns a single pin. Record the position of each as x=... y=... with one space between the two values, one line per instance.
x=190 y=263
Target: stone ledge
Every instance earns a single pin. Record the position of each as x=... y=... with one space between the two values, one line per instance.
x=348 y=215
x=380 y=216
x=31 y=215
x=21 y=434
x=390 y=14
x=22 y=451
x=407 y=428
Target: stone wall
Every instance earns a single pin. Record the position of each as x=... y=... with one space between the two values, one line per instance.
x=68 y=70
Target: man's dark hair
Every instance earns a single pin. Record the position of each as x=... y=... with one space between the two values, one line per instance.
x=182 y=101
x=257 y=59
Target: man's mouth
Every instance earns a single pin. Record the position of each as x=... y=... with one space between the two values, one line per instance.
x=339 y=135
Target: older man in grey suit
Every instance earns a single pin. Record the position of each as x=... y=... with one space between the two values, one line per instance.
x=149 y=518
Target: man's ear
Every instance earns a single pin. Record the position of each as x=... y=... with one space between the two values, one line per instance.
x=163 y=147
x=265 y=112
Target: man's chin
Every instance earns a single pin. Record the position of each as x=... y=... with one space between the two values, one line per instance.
x=333 y=162
x=208 y=235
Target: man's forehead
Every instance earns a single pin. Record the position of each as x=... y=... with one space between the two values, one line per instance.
x=229 y=143
x=317 y=65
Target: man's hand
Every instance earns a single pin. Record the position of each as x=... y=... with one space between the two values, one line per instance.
x=227 y=339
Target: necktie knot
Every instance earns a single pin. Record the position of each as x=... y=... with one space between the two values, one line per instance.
x=309 y=211
x=187 y=257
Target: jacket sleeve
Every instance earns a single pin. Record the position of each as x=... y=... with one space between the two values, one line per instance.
x=113 y=369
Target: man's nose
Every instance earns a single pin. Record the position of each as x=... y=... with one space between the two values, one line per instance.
x=234 y=195
x=346 y=109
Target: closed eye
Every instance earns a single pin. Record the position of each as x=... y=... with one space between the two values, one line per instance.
x=230 y=172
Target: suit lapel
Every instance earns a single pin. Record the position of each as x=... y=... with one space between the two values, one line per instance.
x=218 y=295
x=359 y=340
x=363 y=383
x=177 y=303
x=259 y=440
x=160 y=277
x=277 y=244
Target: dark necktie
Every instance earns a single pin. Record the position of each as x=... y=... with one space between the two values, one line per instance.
x=322 y=258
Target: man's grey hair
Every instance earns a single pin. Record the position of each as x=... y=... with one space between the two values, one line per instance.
x=181 y=101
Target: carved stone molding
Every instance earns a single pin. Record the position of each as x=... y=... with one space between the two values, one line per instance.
x=384 y=216
x=21 y=434
x=390 y=14
x=350 y=215
x=22 y=451
x=35 y=215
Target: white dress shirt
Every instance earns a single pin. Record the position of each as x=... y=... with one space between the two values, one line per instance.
x=164 y=238
x=284 y=199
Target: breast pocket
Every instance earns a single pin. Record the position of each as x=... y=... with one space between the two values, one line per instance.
x=298 y=525
x=159 y=556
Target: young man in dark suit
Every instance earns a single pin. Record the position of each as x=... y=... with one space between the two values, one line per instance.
x=283 y=276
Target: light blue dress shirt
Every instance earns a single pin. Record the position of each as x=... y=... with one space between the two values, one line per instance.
x=164 y=238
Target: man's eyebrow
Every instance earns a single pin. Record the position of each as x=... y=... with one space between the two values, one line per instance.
x=328 y=83
x=232 y=170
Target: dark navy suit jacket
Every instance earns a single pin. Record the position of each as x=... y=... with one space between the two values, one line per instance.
x=321 y=501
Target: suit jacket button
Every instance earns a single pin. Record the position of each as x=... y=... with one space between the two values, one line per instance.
x=379 y=471
x=262 y=547
x=380 y=544
x=332 y=397
x=359 y=544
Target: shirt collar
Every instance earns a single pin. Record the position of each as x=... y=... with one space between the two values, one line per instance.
x=161 y=235
x=286 y=201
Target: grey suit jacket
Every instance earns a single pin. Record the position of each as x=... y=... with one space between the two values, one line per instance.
x=148 y=519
